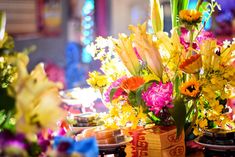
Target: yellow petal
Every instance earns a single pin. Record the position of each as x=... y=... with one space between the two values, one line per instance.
x=156 y=16
x=127 y=54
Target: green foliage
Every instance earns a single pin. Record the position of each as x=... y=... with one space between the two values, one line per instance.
x=7 y=109
x=34 y=150
x=7 y=74
x=176 y=6
x=112 y=92
x=204 y=7
x=179 y=114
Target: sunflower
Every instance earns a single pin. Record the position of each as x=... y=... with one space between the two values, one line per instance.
x=192 y=64
x=132 y=83
x=190 y=17
x=190 y=88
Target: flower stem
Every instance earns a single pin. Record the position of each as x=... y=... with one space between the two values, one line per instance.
x=198 y=4
x=190 y=42
x=189 y=129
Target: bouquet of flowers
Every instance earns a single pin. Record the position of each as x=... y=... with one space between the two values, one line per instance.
x=182 y=78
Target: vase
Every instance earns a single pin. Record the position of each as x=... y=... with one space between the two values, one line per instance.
x=156 y=140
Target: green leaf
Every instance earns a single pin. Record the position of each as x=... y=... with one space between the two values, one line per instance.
x=140 y=90
x=132 y=99
x=185 y=4
x=7 y=103
x=176 y=85
x=2 y=116
x=153 y=118
x=139 y=99
x=179 y=114
x=112 y=92
x=8 y=124
x=204 y=6
x=174 y=12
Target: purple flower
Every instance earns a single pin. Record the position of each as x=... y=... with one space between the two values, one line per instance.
x=13 y=143
x=119 y=91
x=44 y=142
x=158 y=96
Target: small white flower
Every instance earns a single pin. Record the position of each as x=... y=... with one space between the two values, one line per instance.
x=91 y=49
x=226 y=43
x=102 y=42
x=233 y=42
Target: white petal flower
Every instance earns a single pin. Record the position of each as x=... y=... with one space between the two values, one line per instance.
x=226 y=43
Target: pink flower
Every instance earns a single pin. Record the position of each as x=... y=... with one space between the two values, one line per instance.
x=184 y=38
x=158 y=96
x=119 y=91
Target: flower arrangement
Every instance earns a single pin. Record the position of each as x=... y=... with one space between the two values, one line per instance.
x=178 y=79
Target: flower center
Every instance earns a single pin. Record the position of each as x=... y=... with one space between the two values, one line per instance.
x=191 y=88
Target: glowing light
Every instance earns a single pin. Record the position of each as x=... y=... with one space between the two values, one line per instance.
x=87 y=28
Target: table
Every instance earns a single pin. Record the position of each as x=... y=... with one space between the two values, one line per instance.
x=116 y=151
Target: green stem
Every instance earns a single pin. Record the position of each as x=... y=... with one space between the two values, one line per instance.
x=194 y=119
x=191 y=42
x=153 y=119
x=190 y=110
x=198 y=4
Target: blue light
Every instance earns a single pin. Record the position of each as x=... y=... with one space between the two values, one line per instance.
x=86 y=41
x=87 y=28
x=192 y=4
x=86 y=57
x=208 y=24
x=88 y=18
x=86 y=33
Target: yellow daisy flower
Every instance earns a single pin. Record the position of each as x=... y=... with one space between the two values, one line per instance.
x=190 y=88
x=97 y=80
x=203 y=123
x=190 y=17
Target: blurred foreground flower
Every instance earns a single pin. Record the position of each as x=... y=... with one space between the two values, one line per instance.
x=37 y=100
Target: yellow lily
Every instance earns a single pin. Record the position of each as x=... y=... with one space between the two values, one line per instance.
x=207 y=51
x=127 y=54
x=147 y=49
x=156 y=16
x=37 y=100
x=228 y=54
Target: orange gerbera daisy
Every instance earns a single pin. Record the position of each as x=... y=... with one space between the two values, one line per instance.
x=192 y=64
x=190 y=88
x=132 y=83
x=190 y=16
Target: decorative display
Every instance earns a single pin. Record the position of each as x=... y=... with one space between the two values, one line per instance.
x=181 y=79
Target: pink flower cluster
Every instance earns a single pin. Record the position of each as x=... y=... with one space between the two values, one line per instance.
x=158 y=96
x=119 y=91
x=204 y=35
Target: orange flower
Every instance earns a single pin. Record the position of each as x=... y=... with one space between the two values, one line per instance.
x=190 y=16
x=190 y=88
x=192 y=64
x=132 y=83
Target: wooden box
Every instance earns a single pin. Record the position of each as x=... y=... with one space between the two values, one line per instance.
x=156 y=142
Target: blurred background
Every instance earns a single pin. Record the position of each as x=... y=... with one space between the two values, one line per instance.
x=62 y=29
